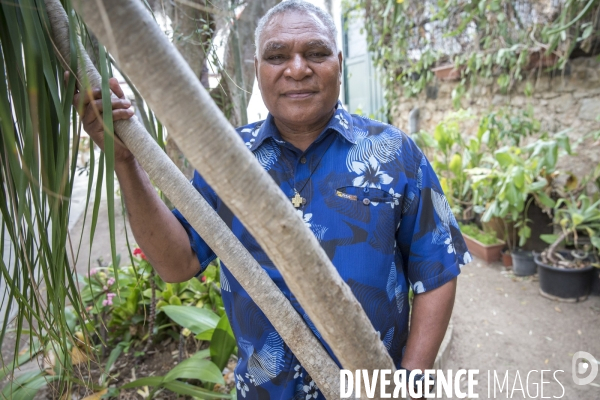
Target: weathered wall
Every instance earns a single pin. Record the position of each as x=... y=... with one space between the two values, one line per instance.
x=559 y=102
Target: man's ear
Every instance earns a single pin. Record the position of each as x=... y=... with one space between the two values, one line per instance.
x=256 y=71
x=341 y=61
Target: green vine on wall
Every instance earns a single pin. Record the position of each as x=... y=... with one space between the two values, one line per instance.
x=496 y=41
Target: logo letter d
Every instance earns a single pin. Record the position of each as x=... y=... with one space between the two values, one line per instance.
x=574 y=368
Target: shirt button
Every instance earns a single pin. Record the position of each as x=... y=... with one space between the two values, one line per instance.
x=366 y=202
x=303 y=160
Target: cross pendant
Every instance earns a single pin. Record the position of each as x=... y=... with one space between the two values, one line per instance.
x=297 y=200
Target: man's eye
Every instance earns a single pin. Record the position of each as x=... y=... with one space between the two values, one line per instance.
x=274 y=57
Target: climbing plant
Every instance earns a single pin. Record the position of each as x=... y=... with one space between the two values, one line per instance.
x=500 y=42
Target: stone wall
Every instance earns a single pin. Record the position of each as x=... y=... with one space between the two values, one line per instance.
x=570 y=100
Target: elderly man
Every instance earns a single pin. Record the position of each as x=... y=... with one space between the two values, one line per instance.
x=365 y=190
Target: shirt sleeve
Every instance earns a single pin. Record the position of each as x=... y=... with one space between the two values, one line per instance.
x=433 y=249
x=203 y=252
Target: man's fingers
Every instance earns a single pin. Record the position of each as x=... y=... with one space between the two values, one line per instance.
x=92 y=94
x=95 y=108
x=82 y=99
x=116 y=103
x=116 y=88
x=122 y=114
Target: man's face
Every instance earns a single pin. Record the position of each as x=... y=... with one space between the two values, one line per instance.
x=298 y=70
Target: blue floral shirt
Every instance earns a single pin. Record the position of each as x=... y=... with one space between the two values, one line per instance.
x=376 y=207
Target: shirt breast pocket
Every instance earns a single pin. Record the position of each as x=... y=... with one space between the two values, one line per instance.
x=365 y=195
x=373 y=209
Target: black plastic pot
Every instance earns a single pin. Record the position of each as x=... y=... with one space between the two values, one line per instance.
x=562 y=283
x=596 y=282
x=523 y=263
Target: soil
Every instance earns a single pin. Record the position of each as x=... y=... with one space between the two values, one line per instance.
x=158 y=360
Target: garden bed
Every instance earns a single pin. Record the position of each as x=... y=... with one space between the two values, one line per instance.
x=158 y=360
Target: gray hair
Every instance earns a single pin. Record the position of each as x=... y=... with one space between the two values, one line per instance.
x=299 y=6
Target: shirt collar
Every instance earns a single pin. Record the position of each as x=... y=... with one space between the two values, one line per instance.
x=341 y=122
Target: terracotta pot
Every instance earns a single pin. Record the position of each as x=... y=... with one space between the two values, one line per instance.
x=507 y=259
x=538 y=59
x=488 y=253
x=447 y=72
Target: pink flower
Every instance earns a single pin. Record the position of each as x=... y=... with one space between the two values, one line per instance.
x=105 y=288
x=92 y=272
x=110 y=281
x=109 y=299
x=203 y=279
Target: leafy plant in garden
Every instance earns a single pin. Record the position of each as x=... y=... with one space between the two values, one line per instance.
x=119 y=319
x=195 y=368
x=54 y=360
x=204 y=292
x=118 y=310
x=575 y=217
x=192 y=307
x=508 y=127
x=450 y=153
x=454 y=153
x=123 y=307
x=206 y=325
x=513 y=179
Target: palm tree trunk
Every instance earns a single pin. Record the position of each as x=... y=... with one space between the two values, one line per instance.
x=216 y=151
x=238 y=64
x=215 y=232
x=192 y=40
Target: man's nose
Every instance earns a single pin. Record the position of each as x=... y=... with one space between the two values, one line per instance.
x=297 y=68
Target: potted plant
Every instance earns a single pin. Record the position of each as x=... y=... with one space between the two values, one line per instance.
x=451 y=154
x=448 y=72
x=568 y=273
x=537 y=58
x=484 y=245
x=506 y=188
x=515 y=179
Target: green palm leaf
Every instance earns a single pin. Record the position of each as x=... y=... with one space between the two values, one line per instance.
x=39 y=143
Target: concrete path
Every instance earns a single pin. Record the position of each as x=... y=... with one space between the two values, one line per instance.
x=502 y=323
